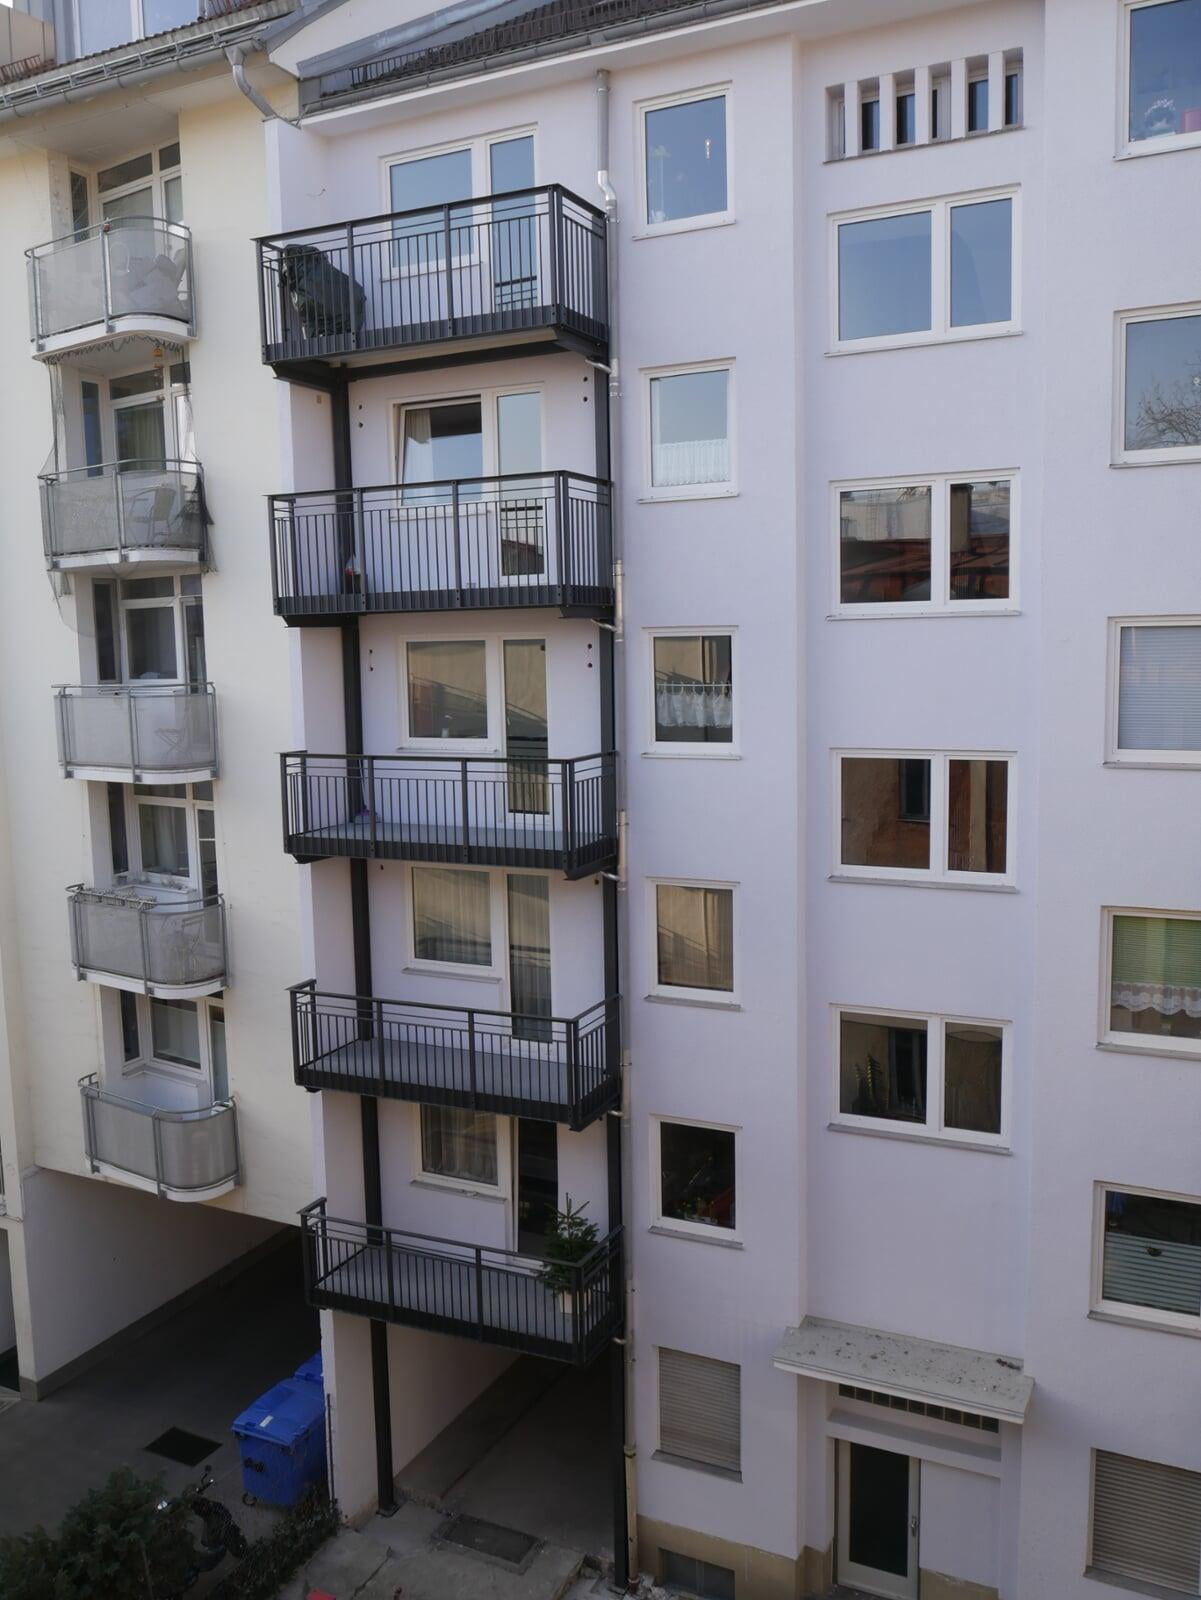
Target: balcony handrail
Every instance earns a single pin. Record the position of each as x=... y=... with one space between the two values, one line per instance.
x=461 y=1248
x=145 y=904
x=90 y=1083
x=498 y=757
x=267 y=240
x=138 y=686
x=108 y=225
x=444 y=483
x=309 y=987
x=104 y=469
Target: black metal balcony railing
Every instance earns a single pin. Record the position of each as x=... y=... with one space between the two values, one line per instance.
x=184 y=1154
x=504 y=264
x=556 y=1069
x=158 y=946
x=138 y=732
x=495 y=1296
x=122 y=268
x=466 y=543
x=502 y=811
x=122 y=511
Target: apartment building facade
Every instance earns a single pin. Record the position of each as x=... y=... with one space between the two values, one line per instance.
x=735 y=702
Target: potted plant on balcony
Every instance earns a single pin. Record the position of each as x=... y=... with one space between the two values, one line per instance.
x=570 y=1236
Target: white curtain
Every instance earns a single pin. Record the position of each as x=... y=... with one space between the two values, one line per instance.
x=691 y=461
x=1166 y=998
x=694 y=705
x=458 y=1144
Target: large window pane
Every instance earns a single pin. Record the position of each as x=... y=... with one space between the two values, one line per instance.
x=977 y=105
x=431 y=181
x=150 y=634
x=1165 y=69
x=979 y=541
x=690 y=429
x=695 y=936
x=1163 y=383
x=103 y=24
x=452 y=916
x=972 y=1077
x=448 y=690
x=885 y=812
x=686 y=160
x=164 y=835
x=981 y=263
x=1159 y=688
x=458 y=1144
x=1152 y=1252
x=1155 y=979
x=884 y=543
x=693 y=690
x=159 y=15
x=884 y=276
x=175 y=1029
x=882 y=1068
x=697 y=1174
x=441 y=442
x=977 y=816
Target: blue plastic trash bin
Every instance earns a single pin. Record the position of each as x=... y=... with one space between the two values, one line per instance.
x=282 y=1441
x=310 y=1371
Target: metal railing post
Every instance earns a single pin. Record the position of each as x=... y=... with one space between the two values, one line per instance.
x=89 y=1128
x=450 y=290
x=119 y=506
x=378 y=1023
x=386 y=1245
x=350 y=286
x=464 y=814
x=567 y=773
x=106 y=278
x=573 y=1067
x=133 y=733
x=368 y=799
x=36 y=290
x=561 y=513
x=455 y=515
x=479 y=1290
x=471 y=1062
x=262 y=265
x=556 y=247
x=359 y=554
x=159 y=1184
x=191 y=274
x=144 y=941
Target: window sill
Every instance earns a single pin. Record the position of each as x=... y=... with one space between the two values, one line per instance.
x=924 y=883
x=454 y=1186
x=1150 y=1322
x=1145 y=764
x=688 y=1000
x=452 y=973
x=688 y=753
x=665 y=230
x=1183 y=457
x=1172 y=1052
x=923 y=342
x=692 y=492
x=729 y=1473
x=1166 y=145
x=943 y=1141
x=666 y=1231
x=915 y=614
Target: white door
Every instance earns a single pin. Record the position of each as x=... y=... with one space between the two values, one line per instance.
x=877 y=1520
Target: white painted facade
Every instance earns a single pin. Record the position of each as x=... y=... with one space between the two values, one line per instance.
x=989 y=1244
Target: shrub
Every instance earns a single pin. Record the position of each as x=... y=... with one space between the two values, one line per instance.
x=274 y=1558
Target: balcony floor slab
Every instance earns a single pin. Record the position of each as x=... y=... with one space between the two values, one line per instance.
x=424 y=841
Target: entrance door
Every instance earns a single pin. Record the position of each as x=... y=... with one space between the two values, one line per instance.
x=537 y=1182
x=877 y=1520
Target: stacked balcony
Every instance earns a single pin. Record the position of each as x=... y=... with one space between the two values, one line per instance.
x=126 y=276
x=567 y=1312
x=493 y=276
x=499 y=811
x=130 y=516
x=466 y=544
x=137 y=732
x=149 y=939
x=182 y=1154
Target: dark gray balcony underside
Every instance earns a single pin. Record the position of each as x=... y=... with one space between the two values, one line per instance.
x=508 y=846
x=571 y=599
x=506 y=1081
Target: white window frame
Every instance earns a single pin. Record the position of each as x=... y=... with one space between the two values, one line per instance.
x=1136 y=1043
x=721 y=999
x=940 y=842
x=1144 y=458
x=934 y=1130
x=493 y=742
x=479 y=148
x=691 y=1230
x=1126 y=146
x=503 y=1187
x=136 y=22
x=689 y=491
x=645 y=229
x=1125 y=1310
x=177 y=602
x=496 y=974
x=489 y=402
x=133 y=833
x=940 y=330
x=939 y=484
x=146 y=1060
x=1180 y=760
x=682 y=749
